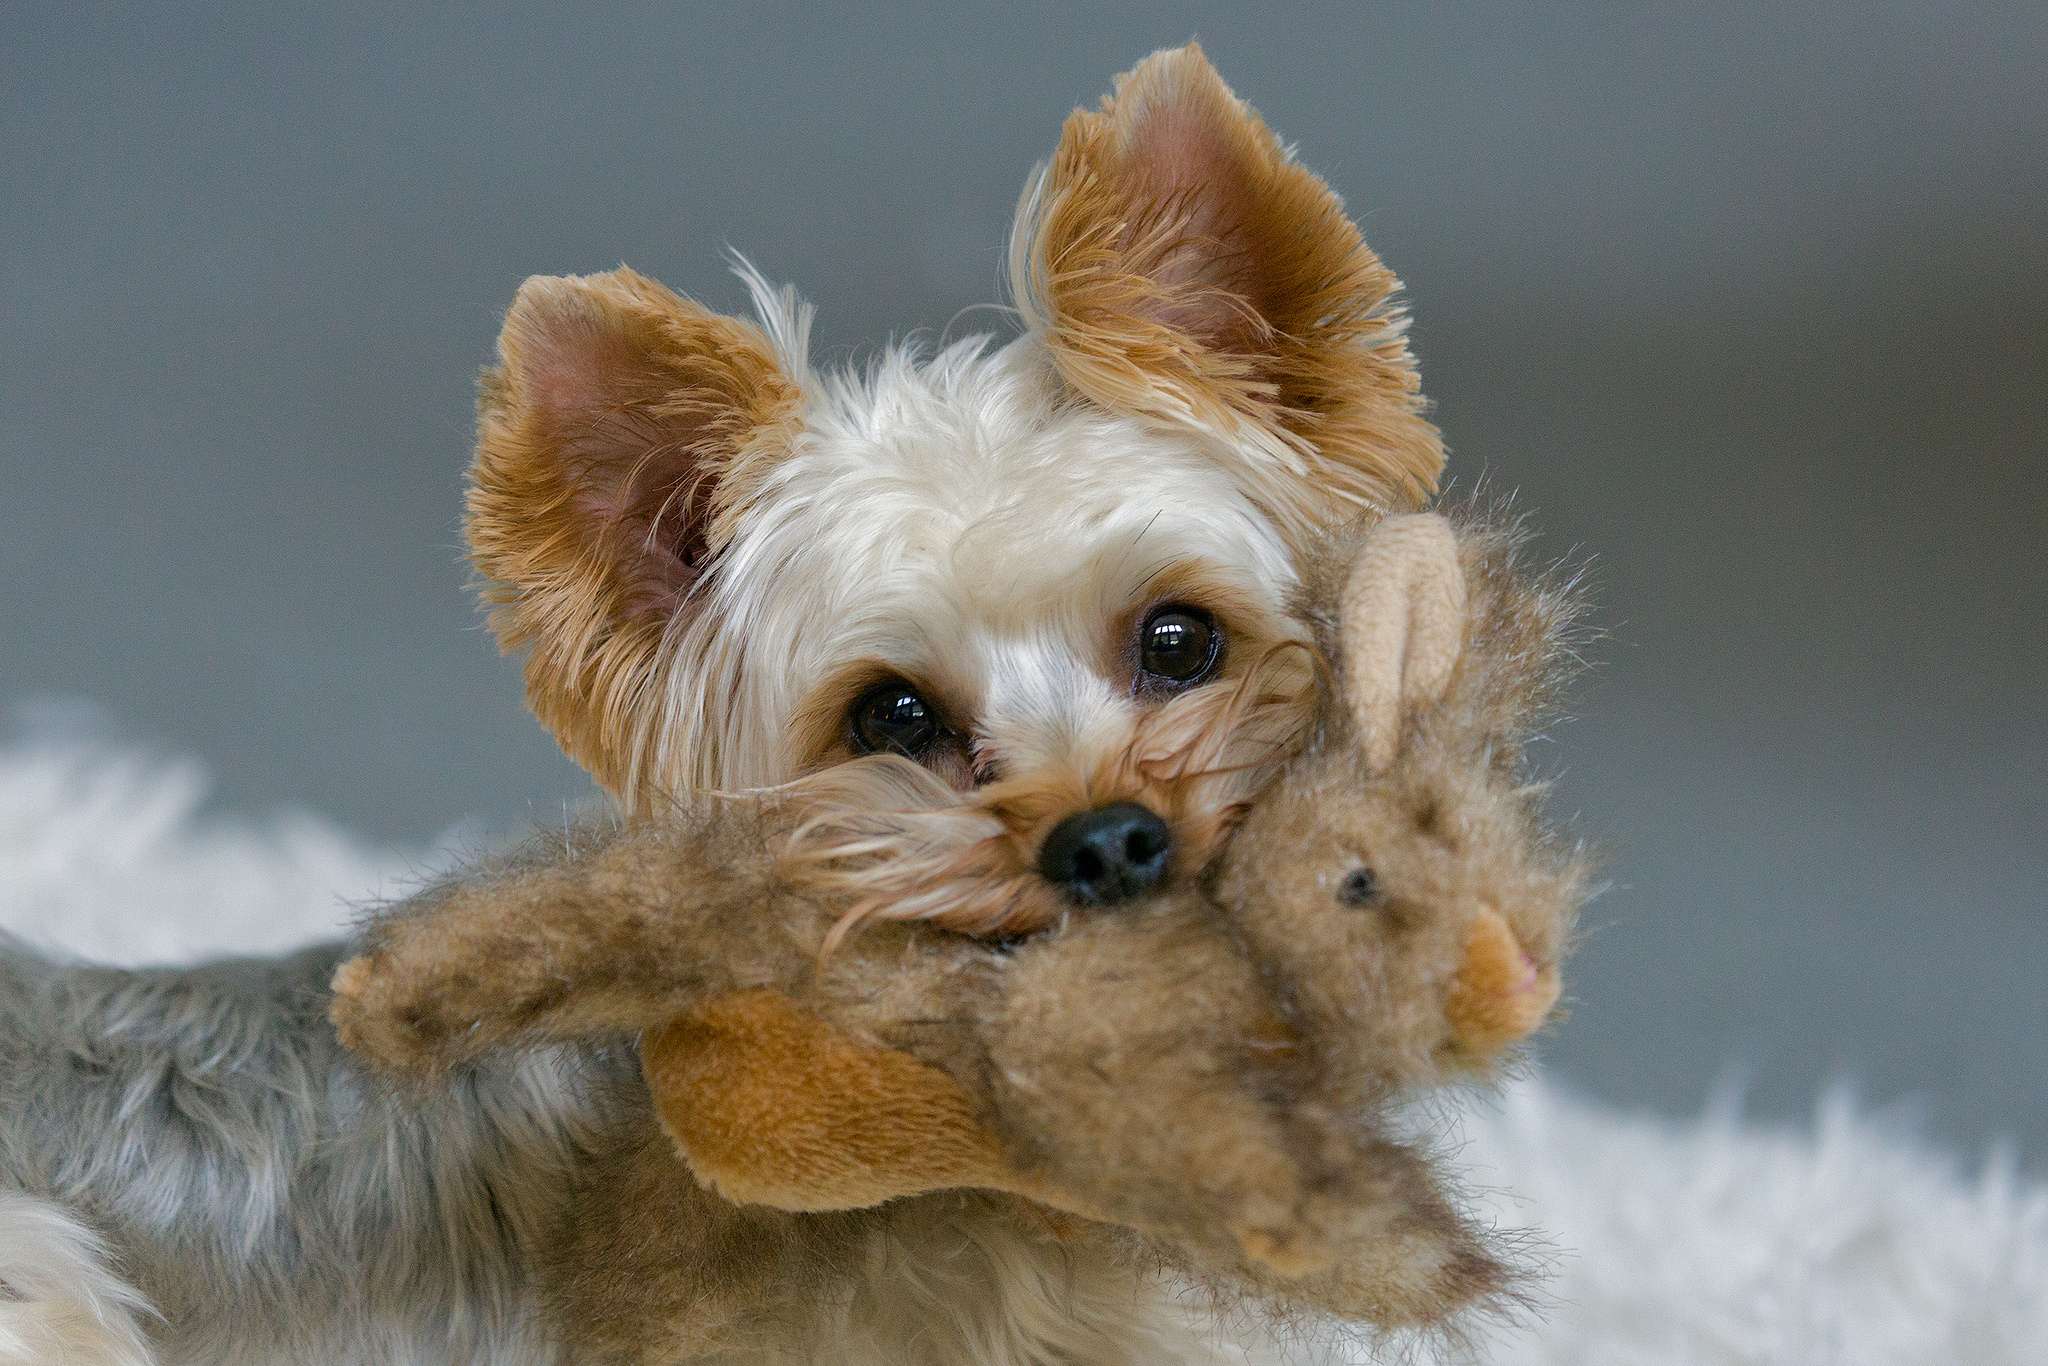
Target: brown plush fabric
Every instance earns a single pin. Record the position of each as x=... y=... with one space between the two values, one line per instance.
x=1203 y=1067
x=1500 y=994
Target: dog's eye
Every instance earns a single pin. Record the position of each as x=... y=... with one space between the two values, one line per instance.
x=1359 y=888
x=1178 y=647
x=893 y=718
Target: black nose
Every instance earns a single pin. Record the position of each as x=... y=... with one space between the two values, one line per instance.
x=1110 y=854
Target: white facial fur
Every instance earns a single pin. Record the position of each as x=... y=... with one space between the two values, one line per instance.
x=964 y=522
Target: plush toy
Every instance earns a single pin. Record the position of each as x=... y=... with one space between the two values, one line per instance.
x=1209 y=1067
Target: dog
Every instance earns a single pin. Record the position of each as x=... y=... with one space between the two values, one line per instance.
x=730 y=570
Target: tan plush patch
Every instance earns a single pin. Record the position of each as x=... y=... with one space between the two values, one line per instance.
x=618 y=439
x=1184 y=267
x=772 y=1106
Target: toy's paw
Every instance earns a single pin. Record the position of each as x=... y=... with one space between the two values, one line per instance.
x=1501 y=994
x=771 y=1105
x=1412 y=1278
x=1282 y=1250
x=378 y=1019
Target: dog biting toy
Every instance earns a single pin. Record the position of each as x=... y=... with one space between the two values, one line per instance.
x=1209 y=1066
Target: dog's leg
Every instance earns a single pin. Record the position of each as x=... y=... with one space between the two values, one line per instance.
x=61 y=1304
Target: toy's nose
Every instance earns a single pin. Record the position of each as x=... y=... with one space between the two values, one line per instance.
x=1500 y=995
x=1107 y=855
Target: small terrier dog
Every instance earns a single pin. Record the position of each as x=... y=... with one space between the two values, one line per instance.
x=732 y=570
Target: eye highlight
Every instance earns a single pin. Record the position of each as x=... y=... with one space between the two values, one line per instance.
x=1178 y=647
x=894 y=718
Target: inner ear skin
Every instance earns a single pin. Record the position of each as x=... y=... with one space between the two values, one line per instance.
x=1186 y=267
x=664 y=526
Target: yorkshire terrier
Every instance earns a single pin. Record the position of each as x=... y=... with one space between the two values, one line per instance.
x=1054 y=572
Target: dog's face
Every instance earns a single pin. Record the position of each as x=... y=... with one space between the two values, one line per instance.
x=1050 y=575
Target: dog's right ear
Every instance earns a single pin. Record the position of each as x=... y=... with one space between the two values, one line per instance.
x=618 y=439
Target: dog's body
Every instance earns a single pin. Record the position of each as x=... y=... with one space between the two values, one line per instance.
x=272 y=1205
x=731 y=571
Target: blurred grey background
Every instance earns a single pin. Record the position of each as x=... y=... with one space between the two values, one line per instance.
x=1751 y=301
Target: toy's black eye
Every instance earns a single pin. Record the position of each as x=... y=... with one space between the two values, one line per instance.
x=1178 y=647
x=893 y=718
x=1359 y=888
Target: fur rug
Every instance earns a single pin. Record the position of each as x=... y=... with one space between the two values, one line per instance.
x=1704 y=1243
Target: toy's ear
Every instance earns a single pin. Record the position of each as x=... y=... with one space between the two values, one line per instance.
x=618 y=437
x=1183 y=268
x=1401 y=624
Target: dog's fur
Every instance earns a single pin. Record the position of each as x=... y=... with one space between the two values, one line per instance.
x=195 y=1141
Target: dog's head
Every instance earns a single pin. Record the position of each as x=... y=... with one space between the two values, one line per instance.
x=1050 y=574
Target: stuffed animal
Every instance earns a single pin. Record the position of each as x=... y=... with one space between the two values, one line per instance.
x=1209 y=1067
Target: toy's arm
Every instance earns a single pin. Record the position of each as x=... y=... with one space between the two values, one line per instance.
x=612 y=933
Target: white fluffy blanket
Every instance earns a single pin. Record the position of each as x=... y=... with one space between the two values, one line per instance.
x=1705 y=1242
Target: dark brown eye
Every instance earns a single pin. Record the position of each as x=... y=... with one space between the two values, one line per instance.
x=893 y=718
x=1359 y=888
x=1178 y=647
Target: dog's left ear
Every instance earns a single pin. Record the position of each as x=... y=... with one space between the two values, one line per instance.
x=1184 y=268
x=618 y=440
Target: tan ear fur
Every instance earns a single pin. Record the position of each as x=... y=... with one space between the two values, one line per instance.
x=618 y=440
x=1184 y=268
x=1401 y=616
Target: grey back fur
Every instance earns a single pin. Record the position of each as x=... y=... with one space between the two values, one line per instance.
x=273 y=1201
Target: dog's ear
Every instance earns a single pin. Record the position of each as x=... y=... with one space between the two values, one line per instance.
x=1401 y=624
x=618 y=437
x=1182 y=267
